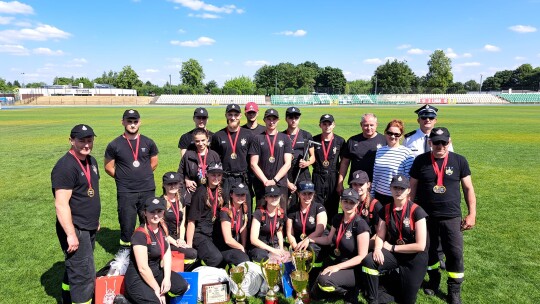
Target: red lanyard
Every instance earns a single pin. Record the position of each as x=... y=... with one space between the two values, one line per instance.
x=341 y=230
x=136 y=151
x=176 y=211
x=273 y=227
x=86 y=171
x=272 y=144
x=439 y=172
x=159 y=240
x=233 y=144
x=399 y=224
x=214 y=201
x=202 y=163
x=325 y=150
x=236 y=221
x=295 y=137
x=304 y=218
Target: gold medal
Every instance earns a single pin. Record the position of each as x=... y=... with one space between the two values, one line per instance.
x=436 y=189
x=337 y=252
x=302 y=236
x=326 y=163
x=234 y=155
x=442 y=189
x=272 y=159
x=400 y=242
x=203 y=180
x=213 y=219
x=90 y=192
x=136 y=164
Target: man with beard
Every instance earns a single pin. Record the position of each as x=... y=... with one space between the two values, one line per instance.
x=131 y=159
x=418 y=140
x=360 y=150
x=200 y=118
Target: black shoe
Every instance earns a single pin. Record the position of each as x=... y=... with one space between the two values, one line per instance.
x=351 y=297
x=430 y=291
x=454 y=297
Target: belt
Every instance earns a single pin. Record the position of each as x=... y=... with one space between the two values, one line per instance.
x=234 y=174
x=319 y=171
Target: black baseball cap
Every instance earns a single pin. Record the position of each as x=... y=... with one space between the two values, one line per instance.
x=215 y=168
x=131 y=113
x=306 y=186
x=171 y=177
x=401 y=181
x=359 y=177
x=292 y=111
x=350 y=194
x=233 y=107
x=200 y=112
x=439 y=133
x=240 y=189
x=154 y=203
x=326 y=117
x=81 y=131
x=271 y=112
x=271 y=191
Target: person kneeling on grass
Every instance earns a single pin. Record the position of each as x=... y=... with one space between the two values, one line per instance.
x=149 y=278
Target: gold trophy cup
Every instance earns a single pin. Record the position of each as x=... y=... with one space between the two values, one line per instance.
x=303 y=260
x=300 y=280
x=237 y=275
x=272 y=274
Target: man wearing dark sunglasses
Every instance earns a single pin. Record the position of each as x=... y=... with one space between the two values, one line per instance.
x=436 y=178
x=418 y=140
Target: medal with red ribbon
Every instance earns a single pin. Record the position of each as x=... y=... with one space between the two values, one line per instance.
x=135 y=152
x=399 y=223
x=214 y=201
x=303 y=219
x=203 y=166
x=86 y=172
x=439 y=187
x=176 y=211
x=233 y=144
x=326 y=151
x=341 y=231
x=295 y=138
x=236 y=221
x=271 y=146
x=273 y=227
x=159 y=239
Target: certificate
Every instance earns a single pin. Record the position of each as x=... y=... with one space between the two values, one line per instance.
x=215 y=293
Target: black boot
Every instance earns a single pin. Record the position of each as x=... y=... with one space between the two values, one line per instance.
x=454 y=297
x=432 y=287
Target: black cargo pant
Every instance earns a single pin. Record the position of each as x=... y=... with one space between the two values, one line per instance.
x=325 y=191
x=130 y=205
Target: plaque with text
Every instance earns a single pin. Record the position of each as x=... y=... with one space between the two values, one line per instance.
x=215 y=293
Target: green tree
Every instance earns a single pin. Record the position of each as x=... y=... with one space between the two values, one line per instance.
x=520 y=76
x=332 y=79
x=107 y=78
x=289 y=91
x=393 y=77
x=192 y=73
x=439 y=71
x=243 y=84
x=216 y=91
x=471 y=86
x=359 y=87
x=127 y=78
x=210 y=86
x=304 y=91
x=455 y=87
x=265 y=78
x=3 y=85
x=16 y=84
x=64 y=81
x=87 y=83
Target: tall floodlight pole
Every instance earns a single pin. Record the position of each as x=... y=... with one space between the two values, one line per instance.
x=480 y=89
x=170 y=84
x=375 y=84
x=23 y=79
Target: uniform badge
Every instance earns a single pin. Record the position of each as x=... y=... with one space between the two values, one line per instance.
x=379 y=146
x=280 y=143
x=311 y=220
x=202 y=111
x=439 y=132
x=348 y=235
x=84 y=128
x=82 y=173
x=155 y=201
x=243 y=141
x=406 y=222
x=171 y=176
x=94 y=168
x=335 y=150
x=131 y=111
x=449 y=171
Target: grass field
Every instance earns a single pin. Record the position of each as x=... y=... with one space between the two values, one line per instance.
x=502 y=254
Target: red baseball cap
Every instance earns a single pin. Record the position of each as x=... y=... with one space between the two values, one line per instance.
x=251 y=107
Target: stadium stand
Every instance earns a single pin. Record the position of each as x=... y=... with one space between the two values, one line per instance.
x=209 y=99
x=459 y=99
x=320 y=99
x=521 y=97
x=396 y=99
x=86 y=100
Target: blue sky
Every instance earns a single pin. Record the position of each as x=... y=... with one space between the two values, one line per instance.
x=44 y=39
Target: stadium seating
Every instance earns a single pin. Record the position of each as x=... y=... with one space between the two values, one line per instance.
x=521 y=97
x=459 y=98
x=209 y=99
x=320 y=99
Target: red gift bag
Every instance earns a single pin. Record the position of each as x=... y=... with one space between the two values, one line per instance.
x=177 y=264
x=107 y=288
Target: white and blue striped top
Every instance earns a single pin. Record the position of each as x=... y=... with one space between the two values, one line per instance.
x=388 y=163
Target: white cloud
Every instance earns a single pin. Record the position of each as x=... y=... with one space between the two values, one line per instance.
x=373 y=61
x=15 y=7
x=47 y=52
x=520 y=58
x=466 y=55
x=6 y=20
x=469 y=64
x=23 y=24
x=403 y=46
x=417 y=52
x=522 y=28
x=491 y=48
x=297 y=33
x=205 y=16
x=389 y=59
x=198 y=5
x=181 y=31
x=194 y=43
x=40 y=33
x=80 y=60
x=151 y=71
x=450 y=53
x=256 y=63
x=210 y=59
x=12 y=49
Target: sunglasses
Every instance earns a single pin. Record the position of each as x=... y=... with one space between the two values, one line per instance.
x=426 y=118
x=440 y=142
x=393 y=134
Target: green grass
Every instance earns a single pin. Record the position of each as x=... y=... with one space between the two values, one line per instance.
x=502 y=254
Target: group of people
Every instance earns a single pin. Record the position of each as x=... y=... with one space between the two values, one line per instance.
x=246 y=193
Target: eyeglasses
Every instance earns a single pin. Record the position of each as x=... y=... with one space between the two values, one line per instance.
x=426 y=118
x=393 y=134
x=440 y=142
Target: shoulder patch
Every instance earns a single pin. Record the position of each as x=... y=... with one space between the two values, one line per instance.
x=409 y=134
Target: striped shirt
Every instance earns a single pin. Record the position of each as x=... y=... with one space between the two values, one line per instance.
x=388 y=163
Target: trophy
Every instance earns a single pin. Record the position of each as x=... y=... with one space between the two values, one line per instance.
x=272 y=274
x=303 y=260
x=300 y=280
x=237 y=275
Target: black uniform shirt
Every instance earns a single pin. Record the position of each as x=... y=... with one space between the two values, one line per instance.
x=392 y=232
x=186 y=140
x=361 y=152
x=298 y=151
x=129 y=178
x=338 y=143
x=311 y=222
x=259 y=129
x=170 y=219
x=260 y=147
x=201 y=214
x=265 y=236
x=348 y=246
x=67 y=174
x=154 y=251
x=226 y=215
x=222 y=145
x=372 y=217
x=447 y=204
x=189 y=165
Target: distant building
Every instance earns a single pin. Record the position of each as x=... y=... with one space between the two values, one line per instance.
x=67 y=90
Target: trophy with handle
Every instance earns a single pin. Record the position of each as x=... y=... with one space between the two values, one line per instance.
x=237 y=274
x=272 y=274
x=303 y=262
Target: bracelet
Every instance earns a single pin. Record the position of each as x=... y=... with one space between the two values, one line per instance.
x=275 y=180
x=393 y=248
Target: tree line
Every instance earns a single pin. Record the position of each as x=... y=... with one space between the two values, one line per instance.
x=392 y=77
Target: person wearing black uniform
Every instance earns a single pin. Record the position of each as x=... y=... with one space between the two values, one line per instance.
x=175 y=218
x=75 y=186
x=200 y=117
x=232 y=144
x=360 y=149
x=326 y=166
x=193 y=165
x=400 y=243
x=436 y=178
x=368 y=208
x=299 y=141
x=350 y=236
x=149 y=278
x=234 y=226
x=266 y=233
x=270 y=159
x=131 y=159
x=203 y=218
